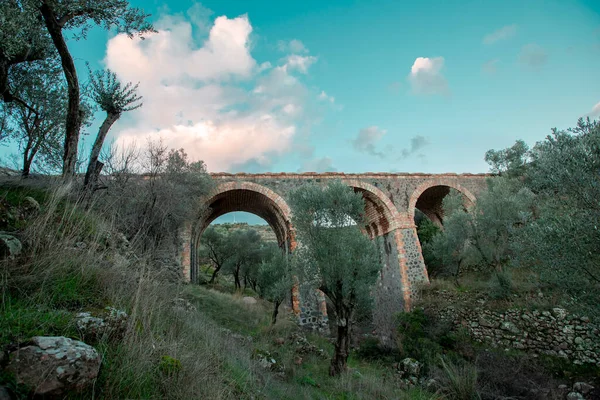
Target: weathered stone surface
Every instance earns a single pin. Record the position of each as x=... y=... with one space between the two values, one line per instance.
x=53 y=365
x=582 y=387
x=575 y=396
x=411 y=366
x=183 y=305
x=558 y=334
x=10 y=246
x=112 y=322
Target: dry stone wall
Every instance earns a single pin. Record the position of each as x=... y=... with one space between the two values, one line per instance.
x=555 y=333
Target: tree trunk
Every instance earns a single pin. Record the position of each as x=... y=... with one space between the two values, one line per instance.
x=275 y=312
x=214 y=275
x=73 y=121
x=94 y=168
x=340 y=357
x=236 y=276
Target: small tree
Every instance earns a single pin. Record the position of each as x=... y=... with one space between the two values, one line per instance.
x=485 y=233
x=37 y=119
x=275 y=280
x=115 y=99
x=335 y=255
x=214 y=246
x=245 y=249
x=77 y=15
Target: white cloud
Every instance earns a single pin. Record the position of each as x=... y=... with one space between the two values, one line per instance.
x=294 y=46
x=294 y=62
x=595 y=111
x=366 y=140
x=533 y=56
x=506 y=32
x=325 y=97
x=211 y=98
x=426 y=76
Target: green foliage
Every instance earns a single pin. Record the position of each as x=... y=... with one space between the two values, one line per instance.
x=37 y=121
x=21 y=320
x=169 y=365
x=483 y=234
x=417 y=337
x=459 y=380
x=371 y=349
x=501 y=286
x=427 y=230
x=335 y=255
x=110 y=94
x=511 y=162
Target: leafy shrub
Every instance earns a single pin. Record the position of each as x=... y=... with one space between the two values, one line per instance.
x=370 y=349
x=458 y=380
x=419 y=336
x=501 y=286
x=169 y=365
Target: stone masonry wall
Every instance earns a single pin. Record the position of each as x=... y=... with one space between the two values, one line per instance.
x=555 y=332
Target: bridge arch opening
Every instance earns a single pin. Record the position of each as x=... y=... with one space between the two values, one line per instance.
x=247 y=197
x=428 y=200
x=381 y=214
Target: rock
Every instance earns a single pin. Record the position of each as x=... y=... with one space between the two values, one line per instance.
x=575 y=396
x=248 y=300
x=582 y=387
x=483 y=321
x=410 y=366
x=53 y=365
x=113 y=323
x=183 y=305
x=10 y=246
x=578 y=340
x=509 y=326
x=559 y=313
x=90 y=327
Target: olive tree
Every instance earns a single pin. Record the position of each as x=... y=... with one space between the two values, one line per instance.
x=59 y=16
x=114 y=98
x=484 y=233
x=335 y=255
x=36 y=121
x=563 y=241
x=275 y=280
x=215 y=247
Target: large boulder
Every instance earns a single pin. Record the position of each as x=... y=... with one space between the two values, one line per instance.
x=10 y=246
x=53 y=365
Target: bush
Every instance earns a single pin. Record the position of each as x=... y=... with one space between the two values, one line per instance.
x=501 y=286
x=169 y=365
x=419 y=336
x=458 y=380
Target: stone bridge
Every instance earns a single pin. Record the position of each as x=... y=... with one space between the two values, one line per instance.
x=390 y=203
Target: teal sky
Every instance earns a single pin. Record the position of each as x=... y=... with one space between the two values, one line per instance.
x=354 y=86
x=490 y=73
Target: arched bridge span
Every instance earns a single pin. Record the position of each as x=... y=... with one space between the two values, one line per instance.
x=390 y=203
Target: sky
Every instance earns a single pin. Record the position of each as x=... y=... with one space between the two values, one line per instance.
x=353 y=86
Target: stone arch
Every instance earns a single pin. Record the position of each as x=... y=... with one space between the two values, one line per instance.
x=381 y=214
x=249 y=197
x=428 y=196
